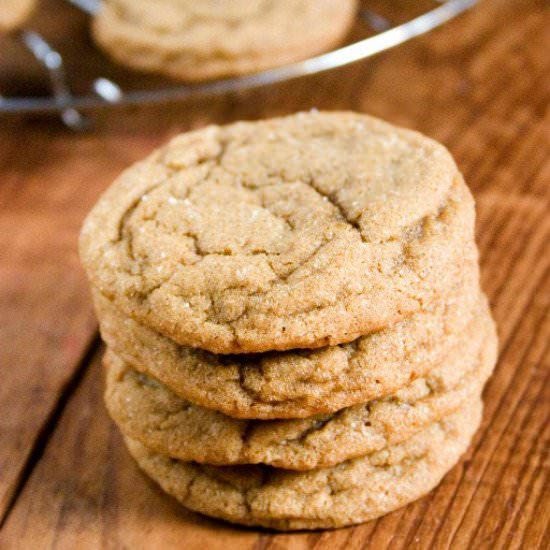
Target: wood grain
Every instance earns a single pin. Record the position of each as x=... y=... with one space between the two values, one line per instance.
x=481 y=86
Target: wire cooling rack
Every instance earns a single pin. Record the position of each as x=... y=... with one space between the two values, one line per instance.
x=70 y=100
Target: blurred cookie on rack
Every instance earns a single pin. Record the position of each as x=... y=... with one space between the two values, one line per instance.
x=205 y=40
x=15 y=13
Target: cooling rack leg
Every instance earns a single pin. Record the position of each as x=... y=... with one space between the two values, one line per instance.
x=53 y=63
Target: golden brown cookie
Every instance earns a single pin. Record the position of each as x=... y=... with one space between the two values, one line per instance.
x=150 y=413
x=351 y=492
x=201 y=40
x=298 y=232
x=15 y=13
x=302 y=383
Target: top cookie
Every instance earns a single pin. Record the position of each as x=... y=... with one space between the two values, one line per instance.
x=200 y=40
x=298 y=232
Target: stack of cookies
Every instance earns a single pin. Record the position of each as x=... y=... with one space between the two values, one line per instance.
x=296 y=333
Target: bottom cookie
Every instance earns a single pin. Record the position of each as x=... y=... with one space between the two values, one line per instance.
x=352 y=492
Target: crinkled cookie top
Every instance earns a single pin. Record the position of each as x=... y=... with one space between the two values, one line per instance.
x=296 y=232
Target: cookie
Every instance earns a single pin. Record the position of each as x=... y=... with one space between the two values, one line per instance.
x=352 y=492
x=209 y=39
x=302 y=383
x=149 y=412
x=15 y=13
x=299 y=232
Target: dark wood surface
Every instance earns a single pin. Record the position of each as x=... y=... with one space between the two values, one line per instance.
x=481 y=85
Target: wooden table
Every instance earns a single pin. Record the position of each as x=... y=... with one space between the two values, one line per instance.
x=481 y=86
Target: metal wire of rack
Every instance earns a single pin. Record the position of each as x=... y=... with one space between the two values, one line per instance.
x=106 y=92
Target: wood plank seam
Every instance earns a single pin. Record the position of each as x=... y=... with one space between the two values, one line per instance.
x=50 y=422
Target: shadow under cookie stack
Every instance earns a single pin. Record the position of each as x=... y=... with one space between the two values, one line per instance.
x=296 y=334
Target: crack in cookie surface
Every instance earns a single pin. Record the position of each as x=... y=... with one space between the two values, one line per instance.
x=351 y=492
x=163 y=422
x=299 y=232
x=302 y=383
